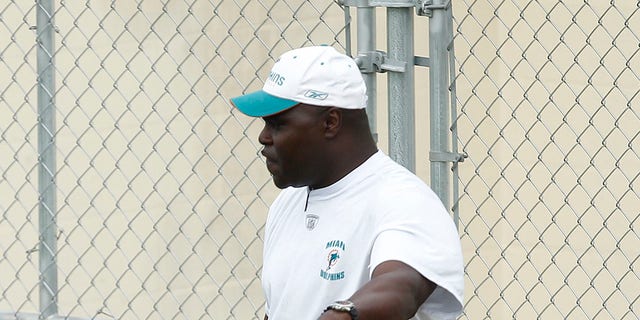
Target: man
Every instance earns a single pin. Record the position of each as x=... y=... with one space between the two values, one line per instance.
x=352 y=235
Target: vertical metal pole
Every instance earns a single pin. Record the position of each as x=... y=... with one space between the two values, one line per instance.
x=46 y=158
x=367 y=44
x=454 y=116
x=347 y=29
x=401 y=87
x=439 y=101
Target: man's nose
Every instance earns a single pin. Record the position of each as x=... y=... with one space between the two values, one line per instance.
x=265 y=136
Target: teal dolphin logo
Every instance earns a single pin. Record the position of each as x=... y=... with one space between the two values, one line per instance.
x=333 y=258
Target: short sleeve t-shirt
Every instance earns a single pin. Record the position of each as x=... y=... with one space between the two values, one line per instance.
x=323 y=245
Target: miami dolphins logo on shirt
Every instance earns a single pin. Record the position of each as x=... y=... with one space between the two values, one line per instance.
x=334 y=250
x=333 y=258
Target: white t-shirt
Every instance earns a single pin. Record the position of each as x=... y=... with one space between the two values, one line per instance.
x=328 y=250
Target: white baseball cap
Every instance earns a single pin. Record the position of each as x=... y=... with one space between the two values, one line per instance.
x=317 y=75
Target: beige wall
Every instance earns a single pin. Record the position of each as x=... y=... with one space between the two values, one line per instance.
x=162 y=198
x=547 y=92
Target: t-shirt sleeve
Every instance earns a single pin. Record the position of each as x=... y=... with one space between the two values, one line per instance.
x=418 y=231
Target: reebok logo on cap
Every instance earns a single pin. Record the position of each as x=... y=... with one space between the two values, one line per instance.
x=316 y=95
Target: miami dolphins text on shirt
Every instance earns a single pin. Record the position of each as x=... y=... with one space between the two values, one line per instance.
x=334 y=250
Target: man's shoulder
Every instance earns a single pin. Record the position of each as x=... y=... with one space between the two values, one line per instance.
x=397 y=186
x=392 y=176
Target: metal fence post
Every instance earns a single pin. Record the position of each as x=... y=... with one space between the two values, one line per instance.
x=401 y=86
x=459 y=157
x=366 y=45
x=46 y=159
x=439 y=103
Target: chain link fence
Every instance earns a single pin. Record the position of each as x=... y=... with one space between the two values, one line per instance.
x=548 y=100
x=162 y=198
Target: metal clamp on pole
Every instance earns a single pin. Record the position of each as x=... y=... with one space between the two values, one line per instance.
x=393 y=65
x=435 y=156
x=377 y=61
x=426 y=7
x=370 y=62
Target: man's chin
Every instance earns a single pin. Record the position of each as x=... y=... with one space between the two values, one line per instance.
x=279 y=183
x=283 y=184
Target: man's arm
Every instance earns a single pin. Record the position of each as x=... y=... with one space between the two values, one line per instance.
x=395 y=291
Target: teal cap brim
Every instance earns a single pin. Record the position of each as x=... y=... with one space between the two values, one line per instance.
x=261 y=104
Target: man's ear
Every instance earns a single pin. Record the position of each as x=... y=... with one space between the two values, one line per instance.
x=332 y=122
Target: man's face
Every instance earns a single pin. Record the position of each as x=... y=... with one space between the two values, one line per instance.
x=292 y=140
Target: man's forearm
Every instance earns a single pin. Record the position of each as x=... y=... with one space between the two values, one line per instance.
x=395 y=291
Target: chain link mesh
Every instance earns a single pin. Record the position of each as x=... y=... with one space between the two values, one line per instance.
x=162 y=197
x=548 y=92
